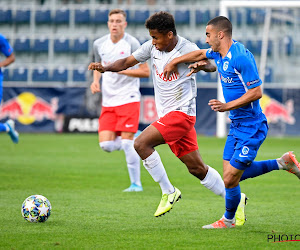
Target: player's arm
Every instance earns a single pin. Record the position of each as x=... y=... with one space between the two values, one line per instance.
x=8 y=60
x=204 y=65
x=194 y=56
x=250 y=96
x=117 y=66
x=95 y=86
x=142 y=71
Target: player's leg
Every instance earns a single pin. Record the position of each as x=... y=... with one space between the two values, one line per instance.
x=108 y=139
x=128 y=122
x=133 y=162
x=232 y=177
x=286 y=162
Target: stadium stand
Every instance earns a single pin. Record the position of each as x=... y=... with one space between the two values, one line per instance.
x=54 y=33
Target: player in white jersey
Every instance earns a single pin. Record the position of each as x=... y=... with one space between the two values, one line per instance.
x=119 y=117
x=175 y=102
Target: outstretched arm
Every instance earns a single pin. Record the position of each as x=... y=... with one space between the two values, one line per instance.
x=117 y=66
x=192 y=57
x=142 y=71
x=8 y=60
x=250 y=96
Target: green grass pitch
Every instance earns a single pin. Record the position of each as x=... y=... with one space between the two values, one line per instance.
x=90 y=211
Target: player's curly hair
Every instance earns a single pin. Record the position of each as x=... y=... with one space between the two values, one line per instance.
x=222 y=24
x=161 y=21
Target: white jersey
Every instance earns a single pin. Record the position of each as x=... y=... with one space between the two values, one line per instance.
x=179 y=91
x=117 y=89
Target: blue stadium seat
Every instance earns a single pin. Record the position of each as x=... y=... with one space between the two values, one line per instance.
x=41 y=45
x=43 y=17
x=79 y=75
x=182 y=16
x=81 y=45
x=288 y=45
x=202 y=76
x=20 y=74
x=140 y=16
x=61 y=45
x=40 y=74
x=202 y=44
x=5 y=16
x=269 y=75
x=269 y=49
x=60 y=75
x=101 y=16
x=62 y=16
x=82 y=16
x=202 y=16
x=22 y=16
x=22 y=44
x=6 y=75
x=255 y=16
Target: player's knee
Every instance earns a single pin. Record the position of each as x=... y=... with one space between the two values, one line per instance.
x=138 y=146
x=107 y=146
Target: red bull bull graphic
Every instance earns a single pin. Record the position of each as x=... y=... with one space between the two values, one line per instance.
x=276 y=111
x=28 y=108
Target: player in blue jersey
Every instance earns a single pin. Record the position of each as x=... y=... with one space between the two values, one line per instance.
x=242 y=90
x=6 y=49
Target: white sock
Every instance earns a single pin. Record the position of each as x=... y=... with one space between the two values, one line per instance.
x=110 y=146
x=213 y=181
x=156 y=169
x=133 y=161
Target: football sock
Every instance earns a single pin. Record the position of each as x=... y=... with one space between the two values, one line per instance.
x=154 y=166
x=3 y=127
x=213 y=181
x=133 y=161
x=110 y=146
x=232 y=200
x=258 y=168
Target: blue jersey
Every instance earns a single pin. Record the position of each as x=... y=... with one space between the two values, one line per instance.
x=238 y=73
x=5 y=49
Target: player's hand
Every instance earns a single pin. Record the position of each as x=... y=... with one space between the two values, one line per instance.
x=95 y=87
x=217 y=106
x=196 y=67
x=169 y=69
x=96 y=66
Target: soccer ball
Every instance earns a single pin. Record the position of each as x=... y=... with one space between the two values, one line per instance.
x=36 y=208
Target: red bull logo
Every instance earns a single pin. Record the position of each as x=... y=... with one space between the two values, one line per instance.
x=28 y=108
x=276 y=111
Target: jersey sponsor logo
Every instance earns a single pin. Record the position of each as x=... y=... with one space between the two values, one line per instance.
x=226 y=79
x=225 y=66
x=172 y=77
x=252 y=82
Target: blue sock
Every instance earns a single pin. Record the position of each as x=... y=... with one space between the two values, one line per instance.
x=2 y=127
x=258 y=168
x=232 y=200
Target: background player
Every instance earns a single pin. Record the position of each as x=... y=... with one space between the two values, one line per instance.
x=242 y=91
x=176 y=107
x=120 y=94
x=7 y=50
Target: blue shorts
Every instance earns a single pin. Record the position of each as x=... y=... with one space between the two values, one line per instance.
x=243 y=141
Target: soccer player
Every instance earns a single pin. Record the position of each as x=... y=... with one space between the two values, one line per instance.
x=242 y=91
x=175 y=99
x=119 y=117
x=7 y=50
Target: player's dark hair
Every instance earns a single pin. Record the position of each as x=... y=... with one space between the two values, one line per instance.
x=222 y=24
x=117 y=11
x=161 y=21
